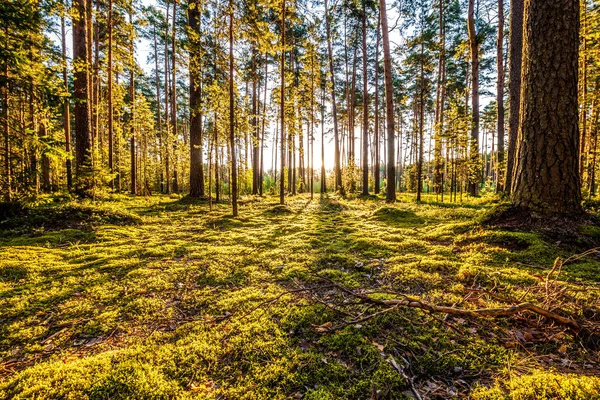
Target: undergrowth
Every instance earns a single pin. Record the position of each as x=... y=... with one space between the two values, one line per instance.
x=160 y=298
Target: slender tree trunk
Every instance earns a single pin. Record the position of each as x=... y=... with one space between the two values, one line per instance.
x=421 y=126
x=233 y=181
x=132 y=107
x=439 y=107
x=167 y=101
x=323 y=172
x=514 y=86
x=158 y=108
x=255 y=128
x=500 y=95
x=547 y=178
x=389 y=105
x=66 y=106
x=264 y=121
x=337 y=169
x=282 y=104
x=174 y=98
x=377 y=172
x=365 y=132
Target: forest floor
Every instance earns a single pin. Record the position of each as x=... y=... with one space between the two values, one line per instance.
x=161 y=298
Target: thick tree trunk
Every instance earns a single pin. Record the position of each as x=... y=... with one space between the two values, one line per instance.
x=389 y=105
x=546 y=177
x=474 y=145
x=500 y=95
x=81 y=58
x=195 y=71
x=515 y=57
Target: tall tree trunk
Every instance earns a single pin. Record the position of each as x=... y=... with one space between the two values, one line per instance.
x=264 y=121
x=255 y=129
x=323 y=172
x=515 y=57
x=439 y=108
x=167 y=100
x=389 y=106
x=421 y=125
x=233 y=183
x=500 y=94
x=66 y=106
x=282 y=111
x=377 y=172
x=336 y=138
x=81 y=62
x=546 y=175
x=195 y=71
x=132 y=106
x=365 y=132
x=474 y=143
x=174 y=98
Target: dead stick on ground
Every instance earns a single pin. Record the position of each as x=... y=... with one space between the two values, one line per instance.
x=406 y=301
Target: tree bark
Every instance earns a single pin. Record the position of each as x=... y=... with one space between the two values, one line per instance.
x=365 y=132
x=515 y=57
x=474 y=145
x=195 y=71
x=336 y=137
x=66 y=105
x=547 y=178
x=389 y=106
x=233 y=183
x=81 y=59
x=282 y=104
x=500 y=94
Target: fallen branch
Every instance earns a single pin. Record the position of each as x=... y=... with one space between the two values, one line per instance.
x=406 y=301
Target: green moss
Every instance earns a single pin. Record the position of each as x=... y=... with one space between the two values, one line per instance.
x=160 y=298
x=542 y=385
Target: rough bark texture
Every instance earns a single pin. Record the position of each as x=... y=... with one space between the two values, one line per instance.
x=439 y=108
x=389 y=105
x=233 y=186
x=83 y=139
x=377 y=173
x=546 y=176
x=66 y=106
x=282 y=111
x=474 y=176
x=500 y=93
x=365 y=133
x=196 y=163
x=514 y=85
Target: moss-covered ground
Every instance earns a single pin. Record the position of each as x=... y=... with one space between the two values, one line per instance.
x=159 y=298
